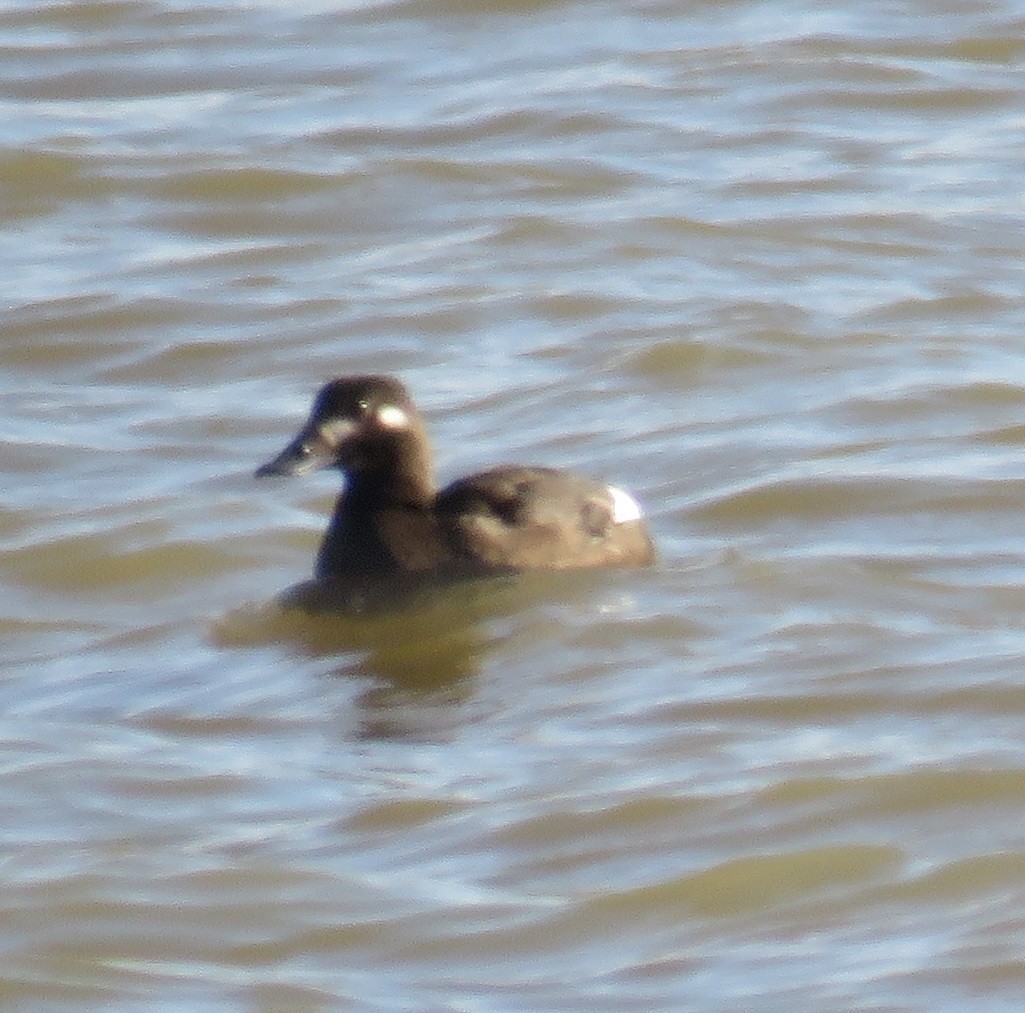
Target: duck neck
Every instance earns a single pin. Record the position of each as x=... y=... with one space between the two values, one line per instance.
x=353 y=543
x=400 y=475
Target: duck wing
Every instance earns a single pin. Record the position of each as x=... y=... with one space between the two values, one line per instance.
x=522 y=518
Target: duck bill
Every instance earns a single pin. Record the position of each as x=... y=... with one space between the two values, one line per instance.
x=309 y=451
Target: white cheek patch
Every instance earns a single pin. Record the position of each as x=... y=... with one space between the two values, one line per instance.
x=334 y=431
x=624 y=507
x=391 y=417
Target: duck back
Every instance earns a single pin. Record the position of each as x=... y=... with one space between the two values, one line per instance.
x=524 y=518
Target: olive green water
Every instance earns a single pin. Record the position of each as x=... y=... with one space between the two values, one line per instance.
x=760 y=264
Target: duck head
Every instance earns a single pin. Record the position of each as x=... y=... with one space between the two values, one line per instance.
x=367 y=427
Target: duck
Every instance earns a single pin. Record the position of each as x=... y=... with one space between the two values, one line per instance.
x=392 y=522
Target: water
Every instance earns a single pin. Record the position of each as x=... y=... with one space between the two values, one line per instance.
x=758 y=263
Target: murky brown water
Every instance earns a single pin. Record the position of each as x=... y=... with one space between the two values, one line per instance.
x=759 y=263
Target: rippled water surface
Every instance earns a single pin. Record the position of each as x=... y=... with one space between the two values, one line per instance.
x=760 y=263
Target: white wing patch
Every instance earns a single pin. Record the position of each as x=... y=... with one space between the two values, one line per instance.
x=392 y=417
x=624 y=507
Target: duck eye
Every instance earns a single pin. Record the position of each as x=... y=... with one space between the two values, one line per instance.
x=363 y=404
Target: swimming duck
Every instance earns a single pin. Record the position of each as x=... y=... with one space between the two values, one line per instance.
x=391 y=520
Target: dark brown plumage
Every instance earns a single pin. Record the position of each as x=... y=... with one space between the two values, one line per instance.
x=390 y=520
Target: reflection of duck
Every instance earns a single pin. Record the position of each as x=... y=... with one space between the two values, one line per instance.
x=391 y=521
